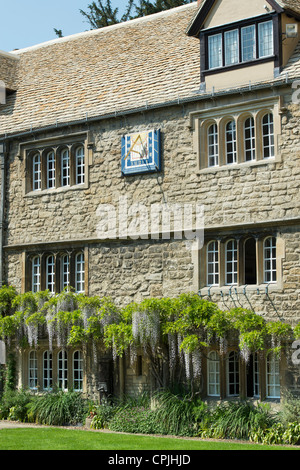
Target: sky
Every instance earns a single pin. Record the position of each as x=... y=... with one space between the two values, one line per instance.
x=24 y=23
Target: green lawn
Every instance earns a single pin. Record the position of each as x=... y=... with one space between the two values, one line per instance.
x=67 y=439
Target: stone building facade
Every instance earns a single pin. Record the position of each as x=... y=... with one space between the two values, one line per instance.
x=218 y=79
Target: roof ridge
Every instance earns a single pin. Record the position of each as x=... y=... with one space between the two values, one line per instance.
x=103 y=30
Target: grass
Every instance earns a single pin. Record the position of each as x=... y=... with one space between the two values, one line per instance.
x=67 y=439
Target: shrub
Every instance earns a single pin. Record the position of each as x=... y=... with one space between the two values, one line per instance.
x=58 y=408
x=290 y=408
x=134 y=420
x=103 y=414
x=14 y=405
x=236 y=420
x=178 y=415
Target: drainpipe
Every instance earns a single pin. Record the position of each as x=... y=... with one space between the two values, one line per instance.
x=2 y=199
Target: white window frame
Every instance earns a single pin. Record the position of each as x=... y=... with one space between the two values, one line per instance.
x=32 y=370
x=36 y=274
x=80 y=165
x=251 y=150
x=50 y=273
x=231 y=47
x=233 y=375
x=215 y=51
x=268 y=142
x=47 y=370
x=265 y=42
x=64 y=271
x=62 y=370
x=252 y=44
x=36 y=172
x=231 y=262
x=231 y=141
x=269 y=260
x=213 y=374
x=50 y=170
x=213 y=263
x=78 y=371
x=272 y=376
x=79 y=273
x=213 y=145
x=65 y=167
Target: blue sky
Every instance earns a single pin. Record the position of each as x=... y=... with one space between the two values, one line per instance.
x=25 y=23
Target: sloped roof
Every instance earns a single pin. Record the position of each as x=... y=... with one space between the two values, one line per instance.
x=102 y=71
x=8 y=69
x=293 y=5
x=131 y=65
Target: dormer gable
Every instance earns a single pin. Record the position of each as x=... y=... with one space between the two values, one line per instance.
x=244 y=41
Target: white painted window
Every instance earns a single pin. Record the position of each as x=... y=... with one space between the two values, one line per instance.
x=268 y=136
x=79 y=156
x=215 y=52
x=213 y=264
x=37 y=172
x=249 y=139
x=79 y=273
x=248 y=43
x=65 y=167
x=50 y=170
x=47 y=370
x=33 y=370
x=265 y=39
x=62 y=370
x=213 y=145
x=273 y=376
x=213 y=374
x=50 y=274
x=231 y=47
x=65 y=271
x=270 y=269
x=36 y=274
x=231 y=149
x=78 y=371
x=233 y=374
x=231 y=260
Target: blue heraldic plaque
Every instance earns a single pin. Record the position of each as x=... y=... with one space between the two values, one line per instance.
x=141 y=152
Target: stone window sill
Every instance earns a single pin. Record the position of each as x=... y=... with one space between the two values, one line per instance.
x=62 y=189
x=238 y=166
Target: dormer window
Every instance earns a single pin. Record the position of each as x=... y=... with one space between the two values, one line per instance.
x=243 y=44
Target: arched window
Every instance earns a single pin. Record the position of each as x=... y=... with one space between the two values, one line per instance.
x=62 y=370
x=36 y=274
x=249 y=139
x=50 y=274
x=213 y=145
x=270 y=260
x=231 y=152
x=268 y=136
x=79 y=272
x=231 y=256
x=273 y=376
x=233 y=385
x=33 y=370
x=50 y=170
x=213 y=374
x=47 y=370
x=36 y=172
x=213 y=263
x=65 y=167
x=78 y=371
x=65 y=271
x=79 y=159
